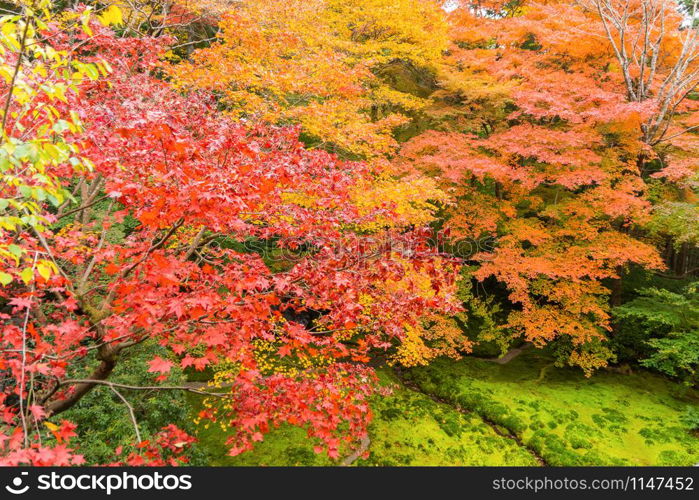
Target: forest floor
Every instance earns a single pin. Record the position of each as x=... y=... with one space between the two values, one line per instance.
x=523 y=412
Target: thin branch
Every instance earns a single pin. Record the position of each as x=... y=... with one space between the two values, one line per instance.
x=213 y=38
x=131 y=413
x=143 y=388
x=24 y=363
x=80 y=209
x=18 y=65
x=153 y=247
x=195 y=243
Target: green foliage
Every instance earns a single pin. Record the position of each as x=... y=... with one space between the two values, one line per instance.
x=28 y=156
x=103 y=419
x=661 y=329
x=691 y=418
x=676 y=355
x=677 y=220
x=608 y=419
x=481 y=318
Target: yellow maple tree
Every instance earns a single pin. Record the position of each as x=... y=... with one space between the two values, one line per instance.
x=321 y=64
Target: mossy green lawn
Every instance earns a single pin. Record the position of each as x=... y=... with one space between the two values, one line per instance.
x=504 y=415
x=608 y=419
x=409 y=428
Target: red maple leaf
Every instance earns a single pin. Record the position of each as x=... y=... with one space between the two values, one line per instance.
x=160 y=365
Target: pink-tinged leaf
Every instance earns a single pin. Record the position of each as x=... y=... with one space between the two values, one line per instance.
x=160 y=365
x=70 y=304
x=37 y=411
x=20 y=303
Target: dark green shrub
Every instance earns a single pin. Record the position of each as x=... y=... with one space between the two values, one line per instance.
x=690 y=418
x=660 y=329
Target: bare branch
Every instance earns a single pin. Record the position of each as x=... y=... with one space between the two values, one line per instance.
x=143 y=388
x=131 y=412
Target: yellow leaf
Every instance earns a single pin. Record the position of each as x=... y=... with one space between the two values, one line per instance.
x=44 y=270
x=111 y=16
x=27 y=275
x=86 y=24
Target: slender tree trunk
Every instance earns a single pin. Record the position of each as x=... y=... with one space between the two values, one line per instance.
x=617 y=287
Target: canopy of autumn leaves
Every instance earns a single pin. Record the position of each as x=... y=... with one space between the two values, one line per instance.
x=317 y=63
x=342 y=134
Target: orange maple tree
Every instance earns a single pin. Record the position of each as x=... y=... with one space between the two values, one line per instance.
x=551 y=144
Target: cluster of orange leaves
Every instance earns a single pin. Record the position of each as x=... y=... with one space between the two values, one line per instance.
x=539 y=145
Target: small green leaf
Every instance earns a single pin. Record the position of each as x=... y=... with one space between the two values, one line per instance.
x=15 y=250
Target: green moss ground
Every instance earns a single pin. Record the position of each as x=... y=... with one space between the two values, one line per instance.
x=408 y=428
x=561 y=416
x=608 y=419
x=284 y=446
